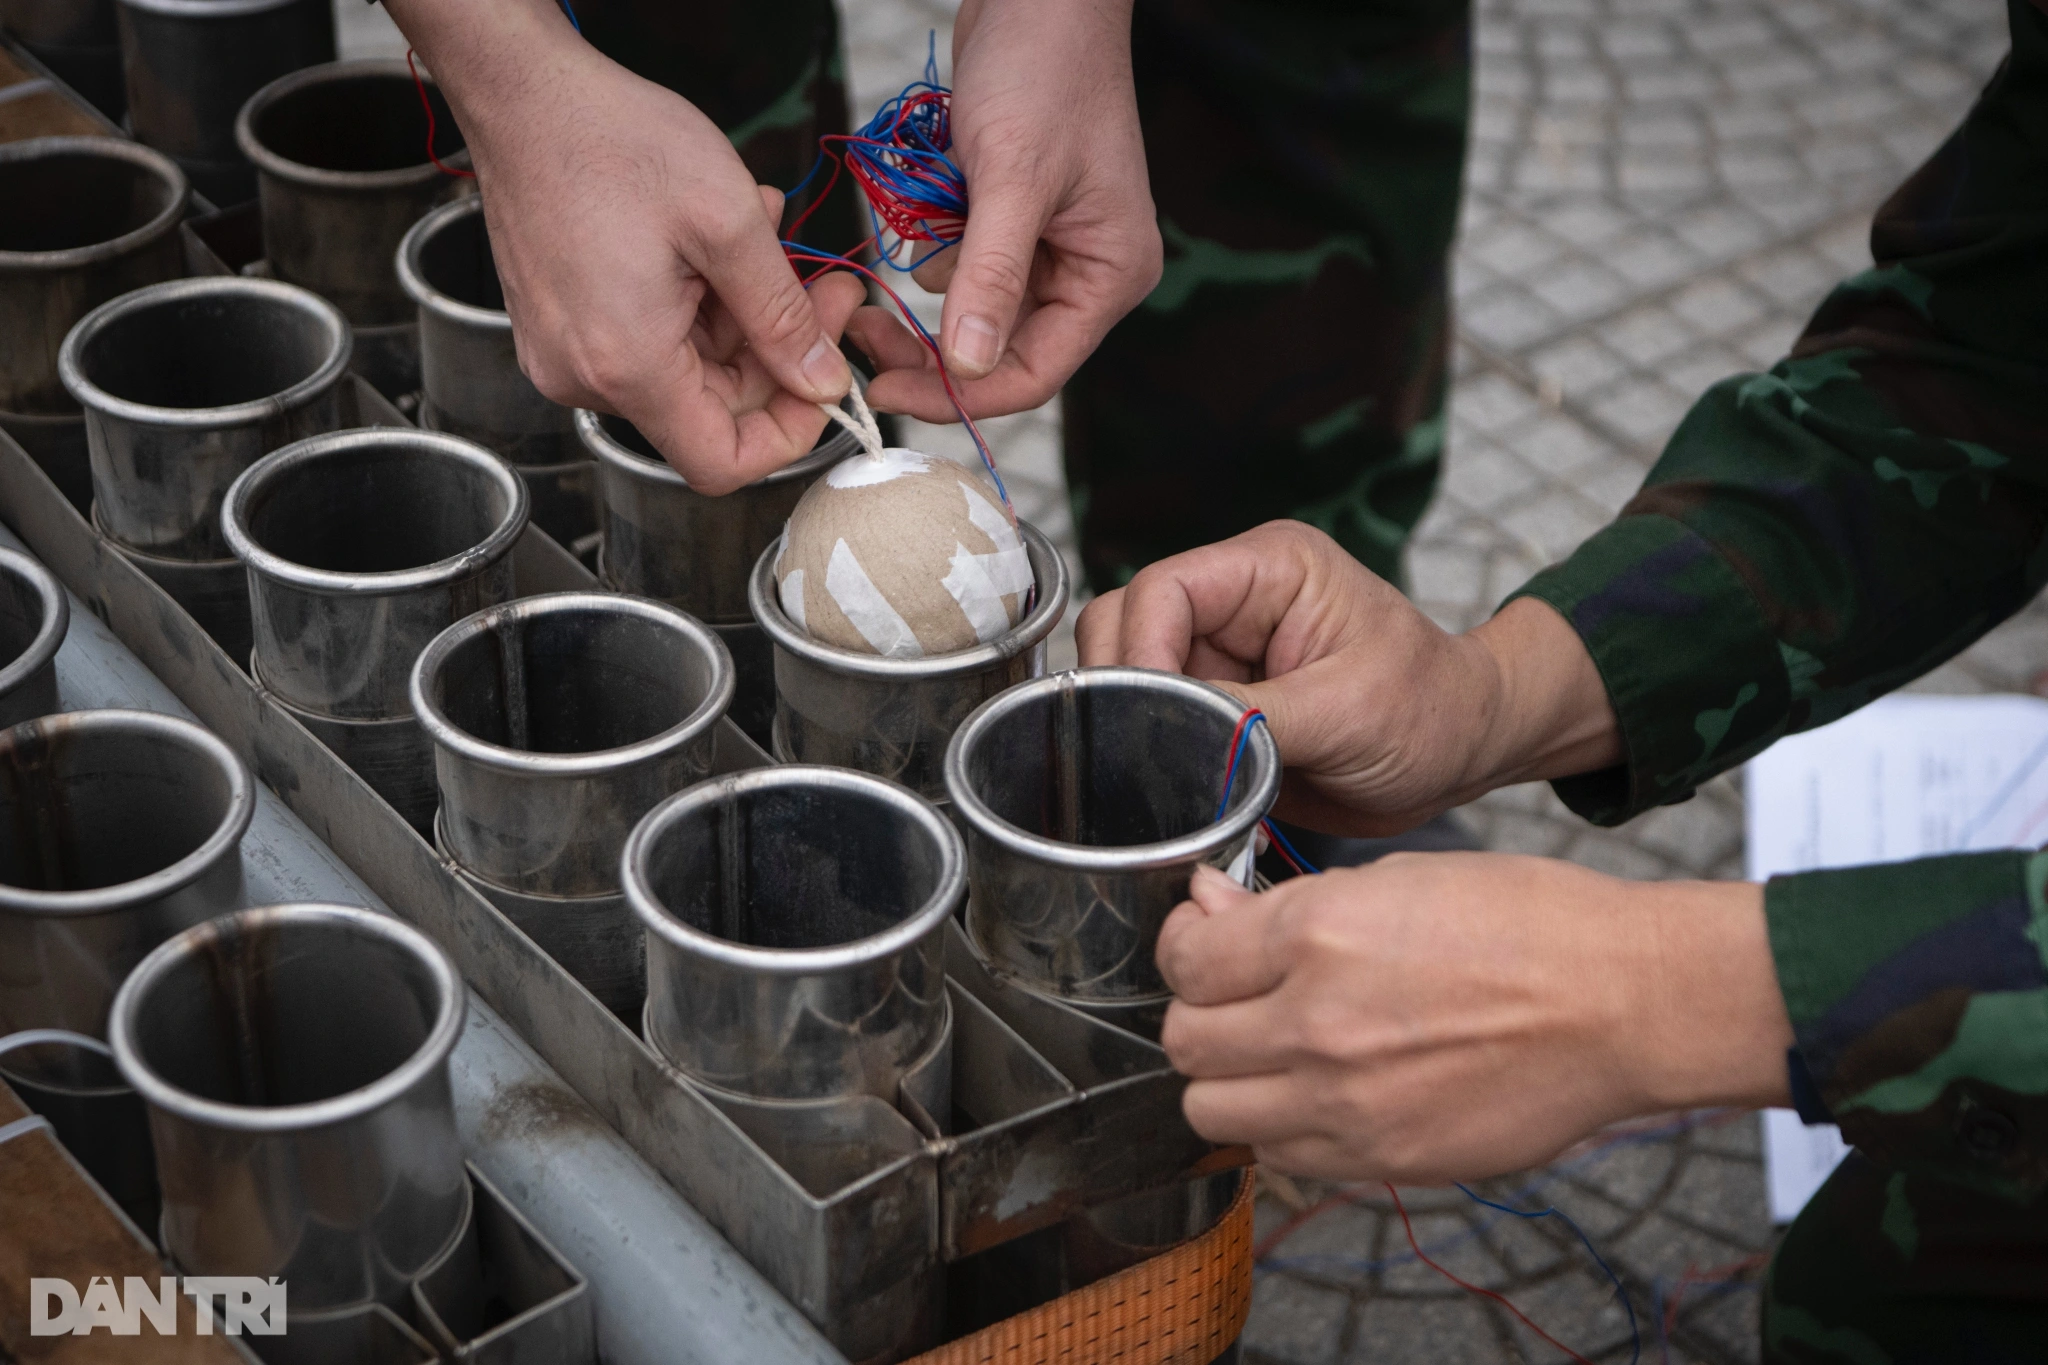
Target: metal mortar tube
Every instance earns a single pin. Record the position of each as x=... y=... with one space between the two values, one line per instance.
x=1089 y=798
x=294 y=1059
x=663 y=539
x=118 y=829
x=88 y=219
x=185 y=385
x=78 y=41
x=361 y=547
x=894 y=717
x=34 y=614
x=341 y=174
x=71 y=1080
x=558 y=722
x=191 y=64
x=794 y=922
x=470 y=377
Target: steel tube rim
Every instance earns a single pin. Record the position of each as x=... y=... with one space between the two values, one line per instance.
x=413 y=280
x=905 y=933
x=631 y=463
x=270 y=162
x=94 y=253
x=531 y=763
x=90 y=395
x=431 y=1054
x=186 y=870
x=300 y=455
x=59 y=1037
x=42 y=650
x=1021 y=638
x=208 y=9
x=1258 y=776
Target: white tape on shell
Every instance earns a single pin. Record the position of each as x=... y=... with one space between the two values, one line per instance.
x=979 y=597
x=866 y=609
x=792 y=595
x=860 y=471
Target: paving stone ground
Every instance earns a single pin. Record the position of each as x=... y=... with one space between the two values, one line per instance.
x=1658 y=193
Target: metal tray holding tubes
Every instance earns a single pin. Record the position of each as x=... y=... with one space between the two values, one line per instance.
x=1060 y=1112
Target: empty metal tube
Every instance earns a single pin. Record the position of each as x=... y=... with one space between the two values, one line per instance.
x=794 y=919
x=118 y=829
x=88 y=219
x=191 y=64
x=893 y=717
x=663 y=539
x=1089 y=798
x=341 y=173
x=294 y=1059
x=469 y=374
x=185 y=385
x=70 y=1079
x=34 y=614
x=78 y=41
x=361 y=547
x=558 y=722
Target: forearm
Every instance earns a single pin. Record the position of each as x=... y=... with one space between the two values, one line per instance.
x=1548 y=714
x=490 y=57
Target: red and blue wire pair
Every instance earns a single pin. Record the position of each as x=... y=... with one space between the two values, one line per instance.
x=902 y=160
x=1239 y=739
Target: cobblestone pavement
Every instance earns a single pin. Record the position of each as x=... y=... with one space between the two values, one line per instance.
x=1659 y=191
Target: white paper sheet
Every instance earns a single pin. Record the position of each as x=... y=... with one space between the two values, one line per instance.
x=1905 y=777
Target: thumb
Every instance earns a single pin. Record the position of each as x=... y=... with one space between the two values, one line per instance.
x=1270 y=699
x=994 y=269
x=753 y=279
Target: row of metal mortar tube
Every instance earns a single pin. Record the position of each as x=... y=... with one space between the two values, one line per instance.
x=832 y=1143
x=175 y=73
x=360 y=545
x=316 y=1076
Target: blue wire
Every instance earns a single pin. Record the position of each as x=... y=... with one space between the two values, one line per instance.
x=1273 y=831
x=1634 y=1333
x=572 y=16
x=1244 y=738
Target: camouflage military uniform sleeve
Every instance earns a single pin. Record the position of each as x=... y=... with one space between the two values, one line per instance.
x=1814 y=537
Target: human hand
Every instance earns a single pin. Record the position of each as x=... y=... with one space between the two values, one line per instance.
x=1452 y=1016
x=1061 y=239
x=639 y=259
x=1383 y=718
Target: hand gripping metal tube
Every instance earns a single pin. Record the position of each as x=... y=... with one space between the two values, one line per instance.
x=893 y=717
x=557 y=723
x=794 y=922
x=294 y=1059
x=1089 y=798
x=34 y=615
x=191 y=64
x=185 y=385
x=361 y=547
x=88 y=219
x=118 y=829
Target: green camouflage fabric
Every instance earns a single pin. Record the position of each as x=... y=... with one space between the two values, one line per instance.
x=768 y=72
x=1810 y=539
x=1889 y=1267
x=1305 y=158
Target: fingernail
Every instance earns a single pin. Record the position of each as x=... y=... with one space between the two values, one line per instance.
x=976 y=344
x=826 y=369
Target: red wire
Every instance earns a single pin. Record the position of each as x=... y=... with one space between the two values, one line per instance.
x=428 y=105
x=1500 y=1299
x=944 y=378
x=1281 y=849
